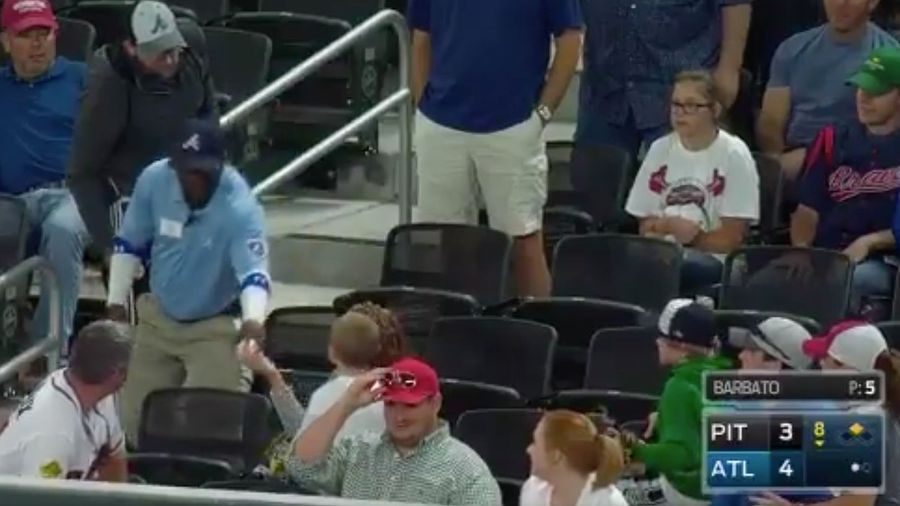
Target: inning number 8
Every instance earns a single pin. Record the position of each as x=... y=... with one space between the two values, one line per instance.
x=819 y=429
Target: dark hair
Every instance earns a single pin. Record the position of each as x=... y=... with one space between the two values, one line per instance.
x=101 y=349
x=393 y=338
x=888 y=362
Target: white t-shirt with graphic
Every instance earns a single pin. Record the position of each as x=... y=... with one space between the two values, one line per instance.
x=51 y=436
x=537 y=492
x=705 y=186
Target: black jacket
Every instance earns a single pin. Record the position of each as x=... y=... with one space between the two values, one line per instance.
x=127 y=121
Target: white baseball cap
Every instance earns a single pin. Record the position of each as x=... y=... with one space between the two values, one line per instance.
x=155 y=29
x=780 y=338
x=853 y=343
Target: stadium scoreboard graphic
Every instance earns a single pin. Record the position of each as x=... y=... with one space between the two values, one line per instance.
x=793 y=432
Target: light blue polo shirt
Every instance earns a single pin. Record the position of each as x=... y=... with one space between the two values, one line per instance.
x=199 y=260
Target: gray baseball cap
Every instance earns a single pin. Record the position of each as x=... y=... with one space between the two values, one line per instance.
x=780 y=338
x=155 y=29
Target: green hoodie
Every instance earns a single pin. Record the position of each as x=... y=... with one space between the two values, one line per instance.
x=677 y=452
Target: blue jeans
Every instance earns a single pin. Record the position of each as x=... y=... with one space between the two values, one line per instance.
x=873 y=279
x=593 y=129
x=63 y=238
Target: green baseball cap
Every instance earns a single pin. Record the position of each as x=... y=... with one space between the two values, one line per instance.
x=880 y=73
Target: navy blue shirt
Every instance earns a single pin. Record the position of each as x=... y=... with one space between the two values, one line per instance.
x=634 y=48
x=853 y=185
x=489 y=58
x=201 y=260
x=37 y=122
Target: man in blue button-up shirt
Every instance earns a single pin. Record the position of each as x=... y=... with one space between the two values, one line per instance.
x=633 y=49
x=39 y=95
x=205 y=232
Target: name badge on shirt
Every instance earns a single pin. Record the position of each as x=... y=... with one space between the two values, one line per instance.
x=170 y=228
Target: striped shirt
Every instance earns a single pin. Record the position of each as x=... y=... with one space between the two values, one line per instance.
x=442 y=470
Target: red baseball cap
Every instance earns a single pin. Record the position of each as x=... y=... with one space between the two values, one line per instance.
x=21 y=15
x=854 y=343
x=410 y=381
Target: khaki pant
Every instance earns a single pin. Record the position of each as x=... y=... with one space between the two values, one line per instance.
x=170 y=354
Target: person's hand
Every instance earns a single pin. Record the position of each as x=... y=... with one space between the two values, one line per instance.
x=654 y=227
x=651 y=424
x=251 y=355
x=728 y=83
x=859 y=249
x=252 y=329
x=769 y=499
x=365 y=389
x=684 y=231
x=117 y=313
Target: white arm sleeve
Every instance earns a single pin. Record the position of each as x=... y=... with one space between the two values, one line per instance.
x=122 y=269
x=46 y=456
x=254 y=303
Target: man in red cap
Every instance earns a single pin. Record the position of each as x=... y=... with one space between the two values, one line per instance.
x=39 y=102
x=414 y=460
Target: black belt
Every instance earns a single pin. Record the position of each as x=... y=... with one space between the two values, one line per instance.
x=232 y=310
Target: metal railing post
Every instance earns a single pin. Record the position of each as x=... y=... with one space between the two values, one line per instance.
x=52 y=344
x=401 y=99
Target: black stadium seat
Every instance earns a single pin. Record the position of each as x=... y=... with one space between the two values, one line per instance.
x=76 y=39
x=111 y=17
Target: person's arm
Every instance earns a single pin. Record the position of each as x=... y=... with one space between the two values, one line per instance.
x=771 y=127
x=740 y=205
x=478 y=488
x=131 y=242
x=804 y=222
x=725 y=239
x=644 y=198
x=679 y=445
x=735 y=26
x=99 y=127
x=250 y=261
x=419 y=19
x=564 y=17
x=114 y=468
x=813 y=197
x=46 y=456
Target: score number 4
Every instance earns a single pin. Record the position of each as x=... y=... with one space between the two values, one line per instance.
x=787 y=434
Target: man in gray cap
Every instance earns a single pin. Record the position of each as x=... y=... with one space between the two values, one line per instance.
x=774 y=344
x=139 y=91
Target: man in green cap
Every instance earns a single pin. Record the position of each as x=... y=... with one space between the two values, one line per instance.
x=850 y=180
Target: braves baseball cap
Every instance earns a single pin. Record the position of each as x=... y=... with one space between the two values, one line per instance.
x=410 y=381
x=201 y=146
x=880 y=73
x=154 y=29
x=853 y=343
x=688 y=322
x=780 y=338
x=21 y=15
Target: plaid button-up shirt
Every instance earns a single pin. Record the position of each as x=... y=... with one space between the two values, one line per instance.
x=442 y=470
x=633 y=49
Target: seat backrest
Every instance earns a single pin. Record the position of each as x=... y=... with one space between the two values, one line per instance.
x=806 y=282
x=205 y=10
x=500 y=436
x=891 y=332
x=415 y=308
x=304 y=383
x=473 y=349
x=458 y=396
x=206 y=422
x=626 y=268
x=602 y=175
x=576 y=319
x=14 y=230
x=353 y=12
x=110 y=18
x=771 y=187
x=75 y=40
x=612 y=356
x=239 y=61
x=297 y=337
x=458 y=258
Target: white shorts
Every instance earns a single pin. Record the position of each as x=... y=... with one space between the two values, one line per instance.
x=507 y=169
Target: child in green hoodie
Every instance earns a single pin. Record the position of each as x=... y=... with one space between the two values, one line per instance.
x=688 y=344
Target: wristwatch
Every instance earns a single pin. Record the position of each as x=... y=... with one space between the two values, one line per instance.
x=544 y=113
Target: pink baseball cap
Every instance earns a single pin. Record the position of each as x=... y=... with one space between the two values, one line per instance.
x=853 y=343
x=21 y=15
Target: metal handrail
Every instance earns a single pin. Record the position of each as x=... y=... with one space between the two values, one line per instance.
x=402 y=99
x=52 y=343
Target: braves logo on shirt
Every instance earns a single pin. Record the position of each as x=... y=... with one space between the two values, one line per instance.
x=846 y=183
x=686 y=190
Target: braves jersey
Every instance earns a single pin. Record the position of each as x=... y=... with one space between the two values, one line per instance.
x=851 y=178
x=52 y=436
x=703 y=186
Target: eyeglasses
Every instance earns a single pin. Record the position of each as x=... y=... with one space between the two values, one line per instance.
x=399 y=379
x=688 y=107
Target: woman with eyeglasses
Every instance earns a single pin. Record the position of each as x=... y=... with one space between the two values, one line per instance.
x=698 y=186
x=572 y=464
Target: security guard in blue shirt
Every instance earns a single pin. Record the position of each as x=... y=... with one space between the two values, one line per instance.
x=208 y=265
